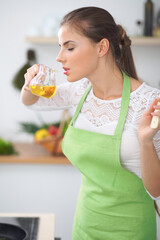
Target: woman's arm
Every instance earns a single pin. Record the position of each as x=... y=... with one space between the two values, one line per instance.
x=67 y=95
x=150 y=162
x=150 y=165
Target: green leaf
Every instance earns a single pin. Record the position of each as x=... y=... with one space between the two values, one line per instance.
x=31 y=128
x=6 y=148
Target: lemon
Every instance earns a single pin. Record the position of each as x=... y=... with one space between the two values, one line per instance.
x=41 y=133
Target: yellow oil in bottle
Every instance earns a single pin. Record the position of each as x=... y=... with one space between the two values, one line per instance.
x=43 y=91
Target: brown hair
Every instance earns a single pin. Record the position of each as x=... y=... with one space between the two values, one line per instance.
x=96 y=24
x=156 y=208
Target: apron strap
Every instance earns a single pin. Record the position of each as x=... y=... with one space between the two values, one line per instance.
x=124 y=105
x=80 y=104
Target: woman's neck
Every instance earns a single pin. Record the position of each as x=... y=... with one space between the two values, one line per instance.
x=107 y=82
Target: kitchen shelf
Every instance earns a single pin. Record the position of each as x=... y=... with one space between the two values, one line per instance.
x=33 y=154
x=42 y=40
x=145 y=41
x=135 y=40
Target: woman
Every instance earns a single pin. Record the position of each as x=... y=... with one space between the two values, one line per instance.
x=109 y=138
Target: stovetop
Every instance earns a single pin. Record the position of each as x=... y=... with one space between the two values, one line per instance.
x=29 y=224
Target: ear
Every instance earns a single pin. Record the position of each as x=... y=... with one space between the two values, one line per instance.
x=103 y=47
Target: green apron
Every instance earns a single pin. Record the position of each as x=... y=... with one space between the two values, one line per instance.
x=113 y=203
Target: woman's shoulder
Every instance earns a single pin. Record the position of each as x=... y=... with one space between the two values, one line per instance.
x=141 y=98
x=144 y=88
x=150 y=91
x=143 y=93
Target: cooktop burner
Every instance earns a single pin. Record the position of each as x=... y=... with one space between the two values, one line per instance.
x=29 y=224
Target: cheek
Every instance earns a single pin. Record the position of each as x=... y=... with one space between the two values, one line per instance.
x=86 y=62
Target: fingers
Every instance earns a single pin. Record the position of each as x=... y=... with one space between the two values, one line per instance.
x=156 y=107
x=156 y=111
x=153 y=106
x=31 y=73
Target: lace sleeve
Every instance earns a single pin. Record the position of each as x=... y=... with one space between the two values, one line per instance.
x=68 y=95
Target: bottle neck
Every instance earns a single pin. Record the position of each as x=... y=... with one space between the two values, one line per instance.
x=31 y=61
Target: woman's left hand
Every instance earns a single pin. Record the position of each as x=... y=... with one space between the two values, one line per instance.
x=145 y=132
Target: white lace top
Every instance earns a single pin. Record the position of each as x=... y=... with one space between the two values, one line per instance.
x=102 y=116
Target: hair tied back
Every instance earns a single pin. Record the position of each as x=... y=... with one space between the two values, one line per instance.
x=124 y=39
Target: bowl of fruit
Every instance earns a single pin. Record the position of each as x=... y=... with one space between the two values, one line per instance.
x=50 y=139
x=49 y=136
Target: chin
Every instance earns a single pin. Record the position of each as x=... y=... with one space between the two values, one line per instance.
x=73 y=79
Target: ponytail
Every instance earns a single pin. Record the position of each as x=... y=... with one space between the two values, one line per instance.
x=125 y=61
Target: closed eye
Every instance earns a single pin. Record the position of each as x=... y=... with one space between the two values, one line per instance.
x=70 y=49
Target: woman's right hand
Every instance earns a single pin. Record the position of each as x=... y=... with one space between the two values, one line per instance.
x=30 y=74
x=27 y=97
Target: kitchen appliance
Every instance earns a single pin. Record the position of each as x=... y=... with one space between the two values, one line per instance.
x=26 y=225
x=12 y=232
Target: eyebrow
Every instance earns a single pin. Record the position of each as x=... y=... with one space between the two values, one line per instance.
x=65 y=43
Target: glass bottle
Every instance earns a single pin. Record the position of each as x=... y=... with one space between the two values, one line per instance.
x=148 y=18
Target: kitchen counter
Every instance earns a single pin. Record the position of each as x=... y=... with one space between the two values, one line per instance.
x=46 y=223
x=34 y=154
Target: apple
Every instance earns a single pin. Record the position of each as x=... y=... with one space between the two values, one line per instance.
x=53 y=130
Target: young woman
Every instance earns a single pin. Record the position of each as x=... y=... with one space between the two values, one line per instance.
x=109 y=138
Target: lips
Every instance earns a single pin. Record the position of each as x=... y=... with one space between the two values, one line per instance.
x=66 y=70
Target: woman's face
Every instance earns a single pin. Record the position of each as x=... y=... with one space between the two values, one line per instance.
x=78 y=54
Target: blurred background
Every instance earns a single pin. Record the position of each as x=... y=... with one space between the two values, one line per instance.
x=53 y=188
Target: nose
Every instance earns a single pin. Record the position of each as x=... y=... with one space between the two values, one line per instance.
x=59 y=58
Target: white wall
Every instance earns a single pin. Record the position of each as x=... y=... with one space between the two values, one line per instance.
x=50 y=188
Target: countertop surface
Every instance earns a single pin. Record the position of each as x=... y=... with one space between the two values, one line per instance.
x=33 y=153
